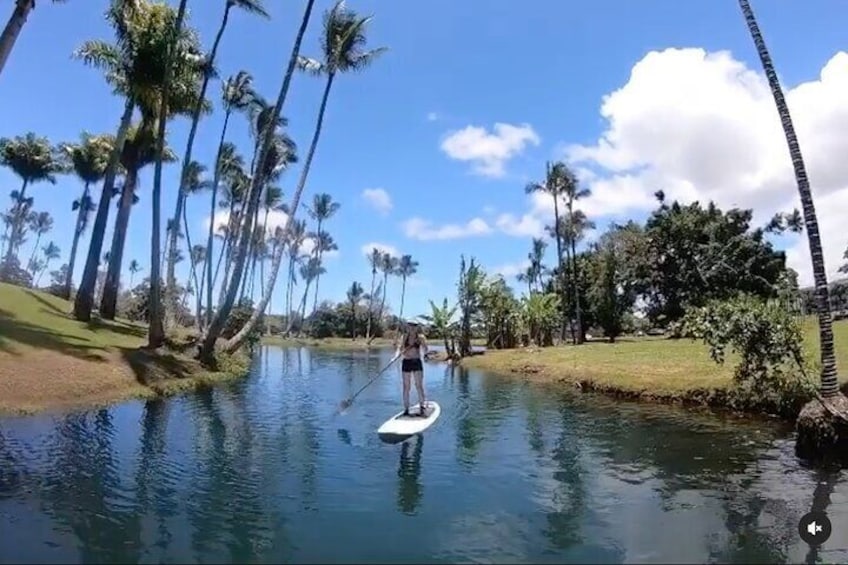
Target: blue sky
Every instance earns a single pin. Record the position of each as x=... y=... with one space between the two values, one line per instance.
x=420 y=125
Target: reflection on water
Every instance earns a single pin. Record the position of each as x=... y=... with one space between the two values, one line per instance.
x=264 y=471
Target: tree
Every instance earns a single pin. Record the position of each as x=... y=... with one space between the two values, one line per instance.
x=134 y=268
x=214 y=330
x=250 y=6
x=374 y=261
x=13 y=28
x=388 y=266
x=441 y=319
x=32 y=159
x=406 y=268
x=354 y=297
x=323 y=208
x=470 y=287
x=557 y=177
x=343 y=41
x=51 y=252
x=541 y=313
x=577 y=225
x=89 y=159
x=809 y=431
x=41 y=224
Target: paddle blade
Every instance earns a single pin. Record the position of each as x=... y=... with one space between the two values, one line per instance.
x=345 y=404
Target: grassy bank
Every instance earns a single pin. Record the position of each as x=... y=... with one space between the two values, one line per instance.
x=644 y=368
x=50 y=361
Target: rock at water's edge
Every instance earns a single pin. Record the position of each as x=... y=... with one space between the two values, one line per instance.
x=821 y=435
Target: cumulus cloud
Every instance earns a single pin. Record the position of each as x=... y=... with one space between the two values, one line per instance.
x=276 y=219
x=509 y=270
x=489 y=152
x=381 y=247
x=702 y=125
x=379 y=199
x=424 y=230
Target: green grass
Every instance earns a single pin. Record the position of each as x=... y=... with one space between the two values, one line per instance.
x=638 y=367
x=49 y=360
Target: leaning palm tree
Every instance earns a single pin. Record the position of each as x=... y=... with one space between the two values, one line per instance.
x=89 y=159
x=32 y=159
x=13 y=28
x=813 y=428
x=343 y=43
x=406 y=268
x=51 y=252
x=134 y=268
x=41 y=224
x=250 y=6
x=205 y=354
x=323 y=208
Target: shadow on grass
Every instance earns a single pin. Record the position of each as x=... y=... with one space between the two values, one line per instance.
x=152 y=367
x=123 y=328
x=46 y=303
x=16 y=330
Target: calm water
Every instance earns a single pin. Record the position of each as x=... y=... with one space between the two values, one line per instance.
x=263 y=472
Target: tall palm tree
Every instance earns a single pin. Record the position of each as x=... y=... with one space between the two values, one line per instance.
x=250 y=6
x=293 y=244
x=134 y=268
x=309 y=271
x=406 y=268
x=32 y=159
x=343 y=43
x=572 y=193
x=237 y=95
x=89 y=159
x=323 y=243
x=195 y=183
x=322 y=209
x=41 y=224
x=388 y=266
x=829 y=385
x=354 y=297
x=133 y=67
x=14 y=26
x=536 y=256
x=51 y=252
x=216 y=327
x=374 y=261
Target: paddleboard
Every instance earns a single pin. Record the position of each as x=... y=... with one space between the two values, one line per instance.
x=400 y=425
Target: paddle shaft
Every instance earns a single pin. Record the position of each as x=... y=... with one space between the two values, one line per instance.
x=397 y=356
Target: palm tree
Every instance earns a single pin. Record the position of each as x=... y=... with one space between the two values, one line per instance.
x=388 y=266
x=572 y=193
x=323 y=208
x=32 y=159
x=217 y=325
x=373 y=260
x=51 y=252
x=324 y=243
x=41 y=224
x=343 y=41
x=809 y=430
x=13 y=28
x=133 y=67
x=536 y=256
x=441 y=318
x=250 y=6
x=354 y=297
x=309 y=271
x=294 y=242
x=134 y=268
x=89 y=159
x=406 y=268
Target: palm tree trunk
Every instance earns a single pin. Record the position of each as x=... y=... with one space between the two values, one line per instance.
x=156 y=329
x=81 y=212
x=370 y=306
x=217 y=325
x=13 y=29
x=210 y=239
x=289 y=284
x=402 y=295
x=14 y=225
x=236 y=341
x=829 y=381
x=195 y=120
x=84 y=300
x=109 y=297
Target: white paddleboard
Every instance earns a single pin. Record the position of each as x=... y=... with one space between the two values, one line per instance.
x=400 y=425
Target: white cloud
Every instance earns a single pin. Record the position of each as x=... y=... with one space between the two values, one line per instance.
x=702 y=125
x=510 y=270
x=432 y=116
x=424 y=230
x=488 y=152
x=381 y=247
x=276 y=219
x=528 y=225
x=379 y=199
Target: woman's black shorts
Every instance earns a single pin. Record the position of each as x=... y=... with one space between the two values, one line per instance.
x=411 y=365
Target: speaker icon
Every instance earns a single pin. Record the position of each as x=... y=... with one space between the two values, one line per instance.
x=814 y=528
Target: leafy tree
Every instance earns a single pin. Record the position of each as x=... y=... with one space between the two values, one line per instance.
x=501 y=314
x=354 y=297
x=441 y=318
x=470 y=287
x=541 y=316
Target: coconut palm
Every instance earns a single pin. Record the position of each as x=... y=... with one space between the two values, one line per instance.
x=41 y=224
x=406 y=268
x=322 y=209
x=216 y=327
x=572 y=192
x=829 y=383
x=51 y=252
x=293 y=243
x=250 y=6
x=14 y=26
x=354 y=297
x=134 y=65
x=309 y=271
x=388 y=266
x=89 y=159
x=134 y=268
x=343 y=43
x=374 y=258
x=32 y=159
x=323 y=243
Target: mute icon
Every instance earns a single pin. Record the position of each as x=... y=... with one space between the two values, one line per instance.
x=814 y=528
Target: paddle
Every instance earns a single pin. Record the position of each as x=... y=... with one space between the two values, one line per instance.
x=345 y=404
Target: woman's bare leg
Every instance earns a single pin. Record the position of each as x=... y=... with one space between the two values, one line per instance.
x=406 y=377
x=419 y=387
